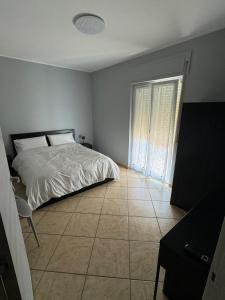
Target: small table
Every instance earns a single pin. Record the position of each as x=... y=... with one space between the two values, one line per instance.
x=87 y=145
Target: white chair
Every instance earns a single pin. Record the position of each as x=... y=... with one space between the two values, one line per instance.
x=24 y=210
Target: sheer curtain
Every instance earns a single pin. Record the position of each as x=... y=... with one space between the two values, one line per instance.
x=140 y=126
x=154 y=112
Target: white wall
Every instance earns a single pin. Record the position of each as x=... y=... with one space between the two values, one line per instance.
x=112 y=86
x=35 y=97
x=12 y=228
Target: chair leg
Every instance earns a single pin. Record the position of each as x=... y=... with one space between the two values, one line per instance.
x=156 y=280
x=34 y=231
x=28 y=221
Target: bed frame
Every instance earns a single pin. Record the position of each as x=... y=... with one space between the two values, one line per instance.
x=86 y=188
x=40 y=133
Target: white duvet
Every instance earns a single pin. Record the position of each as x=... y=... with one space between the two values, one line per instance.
x=51 y=172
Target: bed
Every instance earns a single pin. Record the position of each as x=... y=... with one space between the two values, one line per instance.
x=57 y=171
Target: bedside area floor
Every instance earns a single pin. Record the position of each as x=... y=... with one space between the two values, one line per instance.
x=103 y=243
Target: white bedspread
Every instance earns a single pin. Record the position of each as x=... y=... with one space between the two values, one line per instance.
x=51 y=172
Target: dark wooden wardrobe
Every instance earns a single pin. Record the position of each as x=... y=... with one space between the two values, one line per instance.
x=200 y=160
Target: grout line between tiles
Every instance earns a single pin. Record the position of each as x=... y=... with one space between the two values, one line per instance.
x=129 y=254
x=92 y=249
x=157 y=221
x=34 y=289
x=35 y=223
x=130 y=216
x=85 y=278
x=92 y=275
x=129 y=243
x=61 y=236
x=94 y=237
x=161 y=236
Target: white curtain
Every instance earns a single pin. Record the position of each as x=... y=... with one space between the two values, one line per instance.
x=154 y=113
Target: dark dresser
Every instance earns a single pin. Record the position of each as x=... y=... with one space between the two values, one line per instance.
x=186 y=274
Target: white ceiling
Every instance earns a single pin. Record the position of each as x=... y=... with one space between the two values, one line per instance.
x=42 y=30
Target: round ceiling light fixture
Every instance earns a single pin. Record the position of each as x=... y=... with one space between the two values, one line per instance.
x=89 y=23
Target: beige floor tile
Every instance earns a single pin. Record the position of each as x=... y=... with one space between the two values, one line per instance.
x=114 y=227
x=98 y=191
x=133 y=182
x=116 y=192
x=103 y=288
x=122 y=182
x=143 y=260
x=138 y=194
x=58 y=286
x=134 y=174
x=53 y=223
x=82 y=225
x=36 y=277
x=160 y=294
x=43 y=208
x=20 y=190
x=72 y=255
x=37 y=216
x=165 y=210
x=162 y=274
x=144 y=229
x=39 y=256
x=153 y=184
x=110 y=258
x=123 y=176
x=65 y=205
x=144 y=290
x=90 y=205
x=123 y=171
x=25 y=235
x=160 y=195
x=166 y=225
x=139 y=208
x=115 y=207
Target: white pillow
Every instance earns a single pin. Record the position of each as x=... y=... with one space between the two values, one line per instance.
x=61 y=138
x=30 y=143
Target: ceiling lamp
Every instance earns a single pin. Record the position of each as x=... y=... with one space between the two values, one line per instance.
x=89 y=23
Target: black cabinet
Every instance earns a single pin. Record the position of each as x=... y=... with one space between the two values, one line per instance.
x=200 y=160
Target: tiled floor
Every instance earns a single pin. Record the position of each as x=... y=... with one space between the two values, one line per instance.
x=103 y=243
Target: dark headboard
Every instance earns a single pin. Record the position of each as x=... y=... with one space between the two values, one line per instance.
x=19 y=136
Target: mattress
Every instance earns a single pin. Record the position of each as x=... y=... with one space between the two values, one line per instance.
x=52 y=172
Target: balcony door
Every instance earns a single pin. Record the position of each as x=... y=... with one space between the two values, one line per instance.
x=155 y=110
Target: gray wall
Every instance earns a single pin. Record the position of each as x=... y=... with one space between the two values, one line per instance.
x=112 y=87
x=36 y=97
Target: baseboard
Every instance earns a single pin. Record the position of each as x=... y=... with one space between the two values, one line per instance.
x=122 y=165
